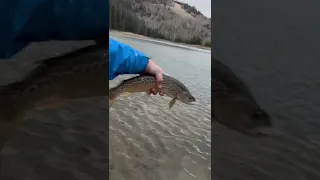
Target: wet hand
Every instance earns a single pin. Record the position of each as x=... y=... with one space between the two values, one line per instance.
x=156 y=70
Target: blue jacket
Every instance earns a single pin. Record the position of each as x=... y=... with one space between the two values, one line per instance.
x=25 y=21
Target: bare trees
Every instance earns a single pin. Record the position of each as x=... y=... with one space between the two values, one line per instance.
x=158 y=21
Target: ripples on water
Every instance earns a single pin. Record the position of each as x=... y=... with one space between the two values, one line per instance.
x=148 y=140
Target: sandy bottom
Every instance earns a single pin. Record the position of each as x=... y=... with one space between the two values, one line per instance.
x=150 y=141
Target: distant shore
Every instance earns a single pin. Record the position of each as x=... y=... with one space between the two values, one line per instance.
x=133 y=35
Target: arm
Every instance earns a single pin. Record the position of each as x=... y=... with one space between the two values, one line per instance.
x=125 y=60
x=24 y=21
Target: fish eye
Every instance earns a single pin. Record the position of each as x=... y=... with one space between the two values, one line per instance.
x=191 y=98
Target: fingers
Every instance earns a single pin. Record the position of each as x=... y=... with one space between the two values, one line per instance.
x=154 y=92
x=159 y=80
x=154 y=69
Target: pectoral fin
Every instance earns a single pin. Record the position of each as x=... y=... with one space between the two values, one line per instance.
x=171 y=103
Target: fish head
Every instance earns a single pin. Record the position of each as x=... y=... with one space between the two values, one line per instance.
x=241 y=114
x=186 y=97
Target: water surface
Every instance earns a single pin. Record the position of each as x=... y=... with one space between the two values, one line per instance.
x=148 y=141
x=273 y=46
x=66 y=142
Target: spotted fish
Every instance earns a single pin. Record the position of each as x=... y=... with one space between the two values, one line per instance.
x=79 y=74
x=233 y=104
x=142 y=83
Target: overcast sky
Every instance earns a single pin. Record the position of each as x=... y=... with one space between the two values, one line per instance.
x=204 y=6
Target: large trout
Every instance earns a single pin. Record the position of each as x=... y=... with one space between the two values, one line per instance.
x=79 y=74
x=171 y=87
x=233 y=104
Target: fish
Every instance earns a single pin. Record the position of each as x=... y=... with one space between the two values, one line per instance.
x=234 y=105
x=172 y=87
x=79 y=74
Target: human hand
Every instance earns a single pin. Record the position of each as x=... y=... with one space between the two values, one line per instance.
x=154 y=69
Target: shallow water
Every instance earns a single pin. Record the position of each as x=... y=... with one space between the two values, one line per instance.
x=274 y=47
x=148 y=140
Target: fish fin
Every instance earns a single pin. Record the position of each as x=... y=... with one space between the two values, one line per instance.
x=172 y=102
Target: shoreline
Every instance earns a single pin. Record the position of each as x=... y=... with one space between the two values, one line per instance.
x=161 y=41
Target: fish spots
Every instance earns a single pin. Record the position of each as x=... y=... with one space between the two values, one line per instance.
x=171 y=87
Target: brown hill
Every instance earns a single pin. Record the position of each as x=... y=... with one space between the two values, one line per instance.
x=164 y=19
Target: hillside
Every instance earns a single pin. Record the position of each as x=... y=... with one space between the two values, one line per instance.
x=164 y=19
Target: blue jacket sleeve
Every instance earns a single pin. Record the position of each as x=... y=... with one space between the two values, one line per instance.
x=24 y=21
x=123 y=59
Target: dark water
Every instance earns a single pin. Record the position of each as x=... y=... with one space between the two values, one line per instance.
x=274 y=47
x=66 y=142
